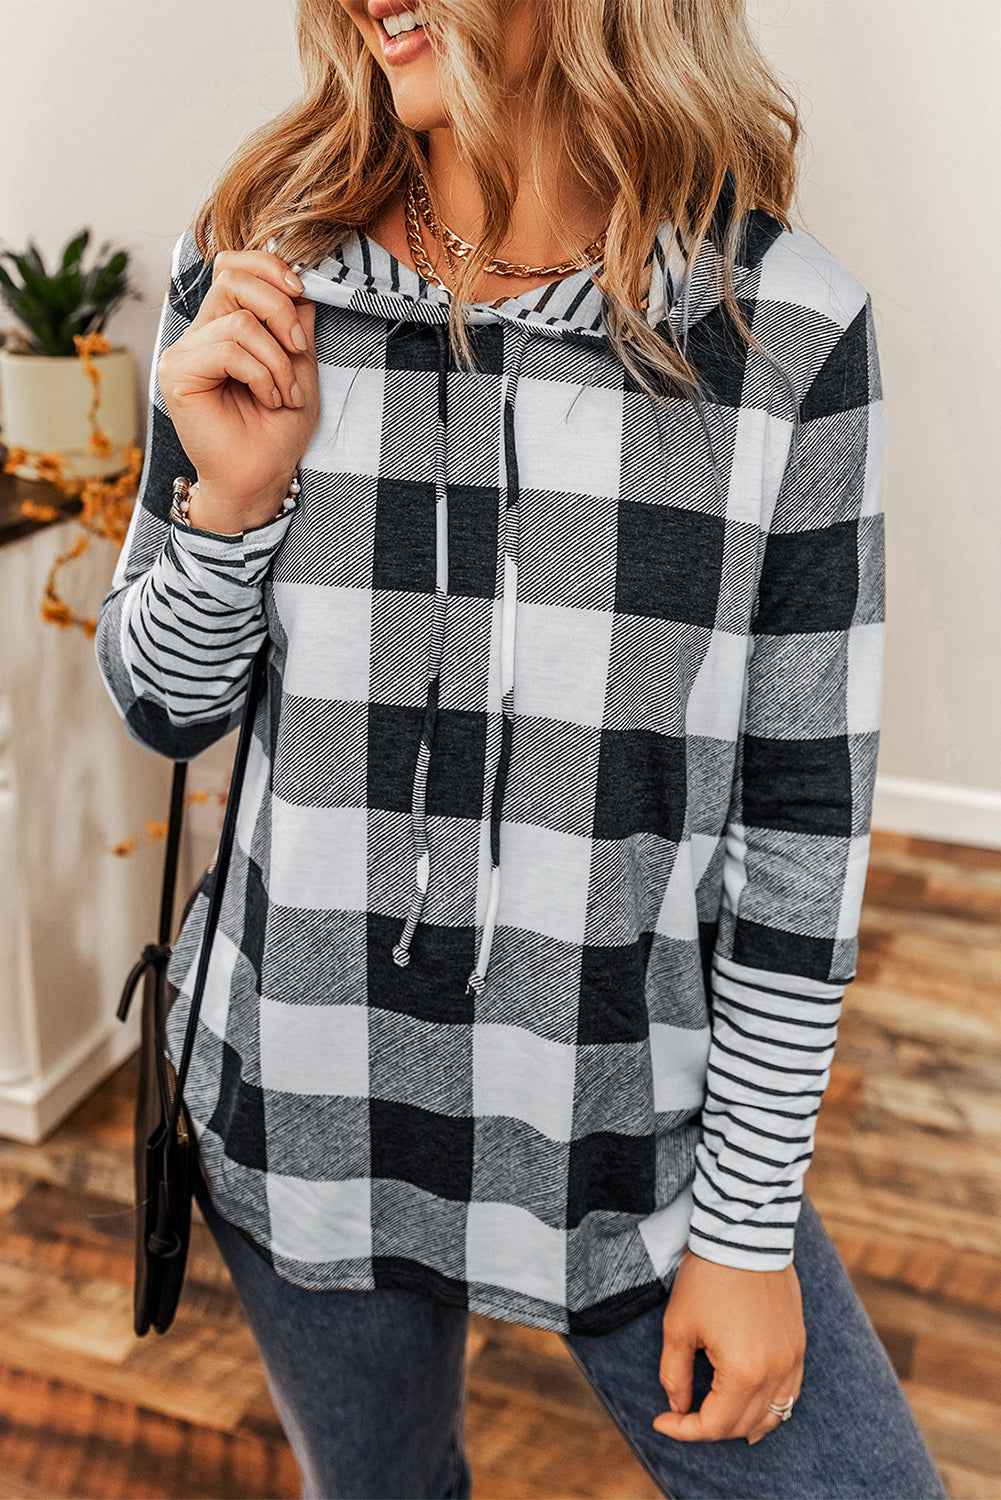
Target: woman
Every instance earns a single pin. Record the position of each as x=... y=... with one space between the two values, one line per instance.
x=552 y=843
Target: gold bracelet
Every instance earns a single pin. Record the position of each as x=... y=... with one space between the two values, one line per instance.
x=184 y=489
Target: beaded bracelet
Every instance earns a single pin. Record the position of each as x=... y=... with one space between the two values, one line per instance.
x=184 y=489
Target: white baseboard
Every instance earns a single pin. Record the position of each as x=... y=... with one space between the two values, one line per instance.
x=935 y=810
x=31 y=1111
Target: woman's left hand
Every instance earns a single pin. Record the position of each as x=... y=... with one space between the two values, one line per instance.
x=750 y=1324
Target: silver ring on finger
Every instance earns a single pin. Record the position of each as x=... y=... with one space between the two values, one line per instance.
x=784 y=1410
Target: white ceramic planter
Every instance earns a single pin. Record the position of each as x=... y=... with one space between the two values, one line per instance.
x=44 y=401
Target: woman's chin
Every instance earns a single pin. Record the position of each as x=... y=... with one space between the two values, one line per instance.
x=416 y=103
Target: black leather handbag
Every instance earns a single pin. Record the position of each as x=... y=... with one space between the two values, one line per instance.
x=165 y=1152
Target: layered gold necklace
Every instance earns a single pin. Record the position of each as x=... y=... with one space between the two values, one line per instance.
x=418 y=203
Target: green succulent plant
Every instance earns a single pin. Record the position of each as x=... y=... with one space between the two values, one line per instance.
x=55 y=306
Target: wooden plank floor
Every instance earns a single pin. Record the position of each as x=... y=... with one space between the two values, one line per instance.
x=907 y=1175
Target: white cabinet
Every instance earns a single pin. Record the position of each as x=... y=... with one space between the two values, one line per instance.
x=73 y=916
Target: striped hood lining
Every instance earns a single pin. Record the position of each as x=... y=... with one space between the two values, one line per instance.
x=365 y=277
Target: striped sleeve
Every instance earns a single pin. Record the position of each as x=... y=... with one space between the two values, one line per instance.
x=797 y=833
x=184 y=616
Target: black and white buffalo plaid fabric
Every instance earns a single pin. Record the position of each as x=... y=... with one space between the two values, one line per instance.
x=552 y=844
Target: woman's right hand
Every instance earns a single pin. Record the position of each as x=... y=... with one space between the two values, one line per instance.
x=217 y=381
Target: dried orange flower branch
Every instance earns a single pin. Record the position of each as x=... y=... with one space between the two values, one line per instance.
x=106 y=504
x=106 y=509
x=156 y=830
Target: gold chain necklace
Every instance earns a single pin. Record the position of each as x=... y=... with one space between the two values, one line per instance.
x=419 y=201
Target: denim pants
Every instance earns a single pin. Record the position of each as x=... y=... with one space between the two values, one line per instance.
x=369 y=1387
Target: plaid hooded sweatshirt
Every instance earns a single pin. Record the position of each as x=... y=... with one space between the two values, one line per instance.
x=550 y=855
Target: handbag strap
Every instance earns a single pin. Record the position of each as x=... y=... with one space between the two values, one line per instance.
x=156 y=955
x=221 y=867
x=173 y=852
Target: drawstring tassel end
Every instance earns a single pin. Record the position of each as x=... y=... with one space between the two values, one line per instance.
x=401 y=950
x=478 y=978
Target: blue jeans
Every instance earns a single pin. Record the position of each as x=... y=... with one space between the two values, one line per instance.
x=370 y=1389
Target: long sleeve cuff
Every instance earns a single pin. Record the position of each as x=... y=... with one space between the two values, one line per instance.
x=187 y=632
x=194 y=622
x=219 y=563
x=769 y=1063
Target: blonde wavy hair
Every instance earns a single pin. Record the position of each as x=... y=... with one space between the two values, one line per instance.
x=654 y=101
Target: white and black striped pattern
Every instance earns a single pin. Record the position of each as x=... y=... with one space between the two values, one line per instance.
x=656 y=703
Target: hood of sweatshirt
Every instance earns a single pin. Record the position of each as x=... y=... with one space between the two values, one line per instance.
x=364 y=277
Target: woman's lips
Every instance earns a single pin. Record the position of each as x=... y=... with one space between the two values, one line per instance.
x=403 y=48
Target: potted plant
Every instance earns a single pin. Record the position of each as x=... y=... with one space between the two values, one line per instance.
x=48 y=391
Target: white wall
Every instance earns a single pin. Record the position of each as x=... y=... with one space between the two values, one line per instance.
x=900 y=181
x=74 y=917
x=120 y=114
